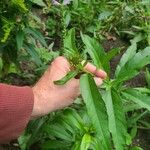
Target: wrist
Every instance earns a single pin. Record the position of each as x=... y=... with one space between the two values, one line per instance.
x=37 y=107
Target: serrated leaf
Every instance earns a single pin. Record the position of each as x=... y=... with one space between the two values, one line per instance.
x=116 y=118
x=96 y=109
x=137 y=97
x=65 y=79
x=20 y=39
x=95 y=51
x=36 y=34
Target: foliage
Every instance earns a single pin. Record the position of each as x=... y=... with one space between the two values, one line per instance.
x=105 y=112
x=105 y=117
x=17 y=33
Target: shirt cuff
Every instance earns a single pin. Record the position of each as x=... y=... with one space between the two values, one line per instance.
x=16 y=104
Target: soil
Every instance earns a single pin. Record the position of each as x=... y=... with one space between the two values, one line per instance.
x=142 y=139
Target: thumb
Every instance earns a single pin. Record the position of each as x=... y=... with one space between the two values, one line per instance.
x=59 y=68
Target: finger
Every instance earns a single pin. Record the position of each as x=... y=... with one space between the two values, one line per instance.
x=61 y=63
x=97 y=72
x=98 y=81
x=59 y=68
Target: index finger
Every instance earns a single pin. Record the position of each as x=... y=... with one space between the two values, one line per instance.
x=97 y=72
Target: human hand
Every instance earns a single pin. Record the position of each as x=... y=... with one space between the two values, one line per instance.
x=49 y=97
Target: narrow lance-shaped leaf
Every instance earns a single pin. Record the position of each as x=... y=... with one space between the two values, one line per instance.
x=19 y=39
x=116 y=118
x=38 y=124
x=137 y=97
x=73 y=119
x=96 y=110
x=36 y=34
x=133 y=66
x=130 y=52
x=96 y=52
x=69 y=43
x=31 y=50
x=58 y=131
x=66 y=78
x=39 y=3
x=112 y=53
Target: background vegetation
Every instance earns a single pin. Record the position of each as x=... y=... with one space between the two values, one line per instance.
x=115 y=36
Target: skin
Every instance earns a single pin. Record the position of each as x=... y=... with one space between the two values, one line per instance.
x=49 y=97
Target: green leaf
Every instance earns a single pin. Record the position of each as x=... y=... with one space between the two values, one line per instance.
x=38 y=124
x=145 y=123
x=1 y=65
x=95 y=51
x=73 y=118
x=75 y=4
x=133 y=66
x=137 y=148
x=58 y=131
x=31 y=50
x=131 y=107
x=69 y=43
x=86 y=141
x=38 y=2
x=130 y=52
x=116 y=118
x=67 y=18
x=20 y=39
x=104 y=15
x=112 y=53
x=70 y=75
x=36 y=34
x=133 y=132
x=96 y=109
x=54 y=144
x=132 y=121
x=143 y=90
x=137 y=97
x=67 y=125
x=22 y=140
x=76 y=145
